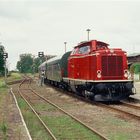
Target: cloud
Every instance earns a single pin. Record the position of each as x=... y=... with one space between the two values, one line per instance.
x=13 y=10
x=29 y=26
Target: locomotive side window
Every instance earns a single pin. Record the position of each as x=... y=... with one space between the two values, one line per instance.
x=74 y=51
x=101 y=46
x=84 y=50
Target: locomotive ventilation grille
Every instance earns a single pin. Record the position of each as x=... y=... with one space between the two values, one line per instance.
x=112 y=66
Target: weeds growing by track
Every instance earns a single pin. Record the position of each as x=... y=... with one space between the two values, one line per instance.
x=4 y=128
x=35 y=128
x=61 y=125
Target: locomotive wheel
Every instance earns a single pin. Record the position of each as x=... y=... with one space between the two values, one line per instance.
x=86 y=94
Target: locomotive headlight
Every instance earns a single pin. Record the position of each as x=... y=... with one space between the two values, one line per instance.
x=126 y=73
x=98 y=73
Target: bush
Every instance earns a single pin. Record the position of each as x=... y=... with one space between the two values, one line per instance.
x=135 y=68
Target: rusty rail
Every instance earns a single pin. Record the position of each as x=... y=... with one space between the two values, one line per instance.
x=130 y=105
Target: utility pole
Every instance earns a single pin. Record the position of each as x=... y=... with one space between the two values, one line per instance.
x=41 y=54
x=33 y=67
x=88 y=30
x=5 y=56
x=65 y=46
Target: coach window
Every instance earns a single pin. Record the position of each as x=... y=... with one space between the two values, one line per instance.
x=84 y=50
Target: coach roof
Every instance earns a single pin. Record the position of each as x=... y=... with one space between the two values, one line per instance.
x=54 y=59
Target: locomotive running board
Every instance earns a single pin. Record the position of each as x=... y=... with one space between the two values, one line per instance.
x=80 y=81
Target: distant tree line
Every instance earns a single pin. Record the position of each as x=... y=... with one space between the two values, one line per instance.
x=29 y=64
x=1 y=60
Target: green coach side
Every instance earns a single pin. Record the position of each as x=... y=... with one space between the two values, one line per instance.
x=64 y=64
x=57 y=67
x=53 y=69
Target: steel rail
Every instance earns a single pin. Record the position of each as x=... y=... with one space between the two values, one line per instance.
x=74 y=118
x=133 y=99
x=33 y=110
x=130 y=105
x=120 y=110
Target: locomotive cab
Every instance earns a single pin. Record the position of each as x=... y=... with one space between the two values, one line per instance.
x=89 y=47
x=98 y=71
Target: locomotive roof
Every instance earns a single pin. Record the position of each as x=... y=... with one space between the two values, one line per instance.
x=85 y=42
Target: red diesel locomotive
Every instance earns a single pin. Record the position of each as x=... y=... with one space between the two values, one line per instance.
x=92 y=70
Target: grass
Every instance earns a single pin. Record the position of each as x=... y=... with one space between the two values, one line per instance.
x=70 y=128
x=43 y=107
x=36 y=130
x=65 y=127
x=3 y=123
x=3 y=89
x=62 y=126
x=118 y=134
x=2 y=83
x=4 y=128
x=14 y=76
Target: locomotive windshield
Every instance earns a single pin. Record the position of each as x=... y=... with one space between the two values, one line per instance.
x=81 y=50
x=84 y=50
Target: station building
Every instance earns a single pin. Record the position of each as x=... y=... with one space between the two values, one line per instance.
x=134 y=58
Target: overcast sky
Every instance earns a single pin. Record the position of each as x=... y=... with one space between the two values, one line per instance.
x=28 y=26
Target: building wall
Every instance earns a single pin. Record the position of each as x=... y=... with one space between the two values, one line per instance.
x=136 y=77
x=133 y=59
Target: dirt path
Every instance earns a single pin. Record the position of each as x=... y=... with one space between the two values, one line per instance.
x=11 y=126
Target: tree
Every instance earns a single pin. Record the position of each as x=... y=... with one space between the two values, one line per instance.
x=24 y=65
x=1 y=60
x=29 y=64
x=135 y=68
x=37 y=62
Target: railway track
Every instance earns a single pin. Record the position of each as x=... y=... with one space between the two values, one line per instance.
x=133 y=100
x=120 y=109
x=131 y=105
x=128 y=110
x=135 y=114
x=29 y=96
